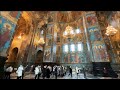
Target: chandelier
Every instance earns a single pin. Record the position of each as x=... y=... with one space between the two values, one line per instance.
x=69 y=32
x=111 y=30
x=41 y=41
x=19 y=37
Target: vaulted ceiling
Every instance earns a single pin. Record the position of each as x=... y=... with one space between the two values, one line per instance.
x=44 y=17
x=47 y=17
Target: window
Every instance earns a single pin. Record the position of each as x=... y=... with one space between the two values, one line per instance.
x=79 y=47
x=71 y=32
x=65 y=33
x=42 y=32
x=72 y=48
x=77 y=31
x=66 y=48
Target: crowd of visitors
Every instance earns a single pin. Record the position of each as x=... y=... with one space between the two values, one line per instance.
x=44 y=72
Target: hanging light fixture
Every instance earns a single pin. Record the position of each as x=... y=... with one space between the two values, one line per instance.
x=111 y=31
x=69 y=32
x=41 y=41
x=19 y=37
x=77 y=29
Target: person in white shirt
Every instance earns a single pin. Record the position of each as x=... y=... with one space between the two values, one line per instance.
x=40 y=71
x=9 y=71
x=36 y=72
x=19 y=72
x=77 y=71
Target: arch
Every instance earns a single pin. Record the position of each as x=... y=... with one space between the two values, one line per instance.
x=39 y=56
x=15 y=50
x=13 y=55
x=39 y=52
x=12 y=59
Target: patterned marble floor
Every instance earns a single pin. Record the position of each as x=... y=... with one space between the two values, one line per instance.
x=74 y=76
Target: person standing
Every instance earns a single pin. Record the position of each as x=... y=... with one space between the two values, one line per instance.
x=84 y=72
x=40 y=71
x=19 y=72
x=56 y=72
x=36 y=72
x=104 y=72
x=9 y=71
x=61 y=71
x=48 y=72
x=44 y=71
x=23 y=72
x=70 y=71
x=77 y=71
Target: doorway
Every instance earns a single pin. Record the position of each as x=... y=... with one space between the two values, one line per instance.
x=13 y=57
x=39 y=57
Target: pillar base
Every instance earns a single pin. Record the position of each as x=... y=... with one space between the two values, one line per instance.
x=98 y=69
x=2 y=63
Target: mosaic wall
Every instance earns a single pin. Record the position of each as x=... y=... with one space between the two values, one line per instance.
x=111 y=18
x=48 y=53
x=73 y=57
x=114 y=20
x=98 y=47
x=94 y=34
x=99 y=52
x=58 y=44
x=79 y=55
x=8 y=21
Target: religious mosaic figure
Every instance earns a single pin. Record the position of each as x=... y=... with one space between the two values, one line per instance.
x=102 y=52
x=77 y=58
x=14 y=14
x=47 y=56
x=96 y=53
x=65 y=59
x=5 y=34
x=69 y=58
x=97 y=35
x=72 y=59
x=91 y=20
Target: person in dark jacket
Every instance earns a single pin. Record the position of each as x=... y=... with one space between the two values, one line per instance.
x=55 y=72
x=44 y=72
x=70 y=70
x=48 y=72
x=84 y=72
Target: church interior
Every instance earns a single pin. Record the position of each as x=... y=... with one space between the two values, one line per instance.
x=89 y=39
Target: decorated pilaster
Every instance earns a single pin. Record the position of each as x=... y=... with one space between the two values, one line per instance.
x=8 y=22
x=96 y=42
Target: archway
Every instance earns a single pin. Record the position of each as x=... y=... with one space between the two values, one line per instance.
x=39 y=57
x=13 y=55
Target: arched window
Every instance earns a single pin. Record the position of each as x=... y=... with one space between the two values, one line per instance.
x=42 y=32
x=72 y=47
x=65 y=48
x=79 y=46
x=77 y=31
x=65 y=33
